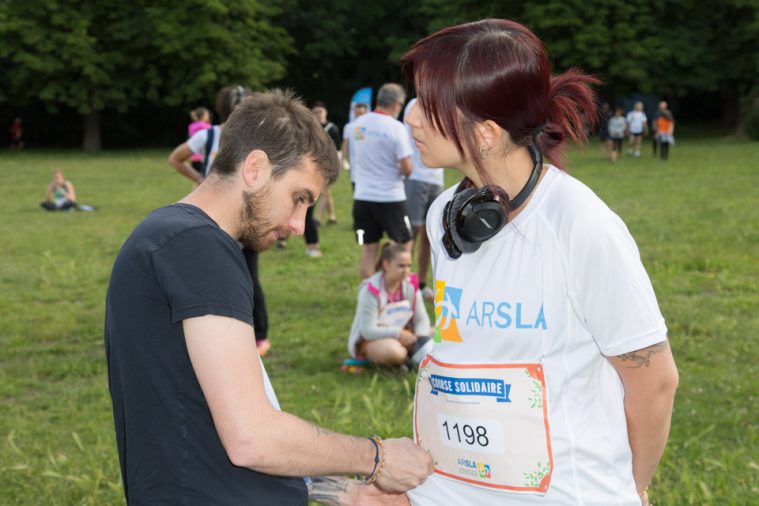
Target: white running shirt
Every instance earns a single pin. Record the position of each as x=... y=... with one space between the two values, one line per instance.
x=421 y=172
x=562 y=285
x=379 y=142
x=197 y=144
x=635 y=121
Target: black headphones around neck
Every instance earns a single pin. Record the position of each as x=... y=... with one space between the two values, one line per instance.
x=474 y=215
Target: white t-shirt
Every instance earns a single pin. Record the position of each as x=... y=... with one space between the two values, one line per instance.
x=379 y=142
x=562 y=285
x=635 y=121
x=197 y=144
x=421 y=172
x=349 y=136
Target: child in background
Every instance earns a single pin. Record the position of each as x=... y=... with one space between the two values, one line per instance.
x=60 y=194
x=617 y=127
x=665 y=130
x=201 y=120
x=391 y=323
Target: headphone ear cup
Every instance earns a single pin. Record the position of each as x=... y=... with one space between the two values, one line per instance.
x=481 y=220
x=459 y=206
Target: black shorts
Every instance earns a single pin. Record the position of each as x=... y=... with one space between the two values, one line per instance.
x=616 y=144
x=636 y=134
x=371 y=219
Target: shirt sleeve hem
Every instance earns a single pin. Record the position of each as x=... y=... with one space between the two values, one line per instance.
x=178 y=315
x=657 y=336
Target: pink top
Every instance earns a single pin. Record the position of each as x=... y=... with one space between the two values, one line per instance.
x=197 y=126
x=395 y=297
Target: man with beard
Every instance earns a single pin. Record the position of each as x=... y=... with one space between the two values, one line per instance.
x=197 y=421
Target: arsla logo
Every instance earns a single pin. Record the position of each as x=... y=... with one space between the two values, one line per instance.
x=359 y=134
x=447 y=311
x=483 y=470
x=469 y=466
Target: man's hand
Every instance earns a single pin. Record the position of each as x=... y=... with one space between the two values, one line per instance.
x=407 y=338
x=369 y=495
x=406 y=466
x=342 y=491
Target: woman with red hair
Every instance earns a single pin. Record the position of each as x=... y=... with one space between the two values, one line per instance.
x=551 y=380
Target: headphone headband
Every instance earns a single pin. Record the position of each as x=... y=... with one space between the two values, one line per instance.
x=475 y=215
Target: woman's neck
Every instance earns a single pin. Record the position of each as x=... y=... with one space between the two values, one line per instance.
x=510 y=172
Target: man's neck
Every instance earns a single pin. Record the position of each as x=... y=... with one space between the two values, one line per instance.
x=218 y=202
x=384 y=110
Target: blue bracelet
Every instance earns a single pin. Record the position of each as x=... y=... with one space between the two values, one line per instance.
x=376 y=457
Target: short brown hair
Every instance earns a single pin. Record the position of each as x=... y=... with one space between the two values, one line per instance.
x=277 y=123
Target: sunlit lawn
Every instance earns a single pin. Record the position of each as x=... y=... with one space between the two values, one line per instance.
x=695 y=218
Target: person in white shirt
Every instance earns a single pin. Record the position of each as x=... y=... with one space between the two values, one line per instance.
x=637 y=126
x=551 y=380
x=347 y=147
x=382 y=157
x=423 y=186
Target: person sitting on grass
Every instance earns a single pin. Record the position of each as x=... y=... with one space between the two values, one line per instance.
x=60 y=194
x=391 y=323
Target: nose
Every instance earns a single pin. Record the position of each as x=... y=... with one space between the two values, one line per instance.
x=413 y=116
x=297 y=222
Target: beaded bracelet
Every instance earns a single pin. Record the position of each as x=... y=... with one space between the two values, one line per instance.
x=640 y=494
x=379 y=459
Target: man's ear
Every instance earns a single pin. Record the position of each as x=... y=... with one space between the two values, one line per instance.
x=256 y=170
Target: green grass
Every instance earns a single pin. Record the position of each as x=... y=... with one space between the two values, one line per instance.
x=695 y=218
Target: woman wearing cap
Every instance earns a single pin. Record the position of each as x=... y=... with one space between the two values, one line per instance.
x=551 y=380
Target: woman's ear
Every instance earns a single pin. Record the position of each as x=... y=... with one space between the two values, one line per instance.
x=490 y=135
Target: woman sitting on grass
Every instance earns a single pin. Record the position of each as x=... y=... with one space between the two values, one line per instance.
x=60 y=194
x=391 y=323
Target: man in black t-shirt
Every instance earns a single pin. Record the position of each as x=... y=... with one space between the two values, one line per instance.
x=196 y=419
x=327 y=202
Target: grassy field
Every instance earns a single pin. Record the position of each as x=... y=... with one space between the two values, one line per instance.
x=695 y=218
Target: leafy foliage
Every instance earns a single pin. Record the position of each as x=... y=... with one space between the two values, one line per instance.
x=91 y=55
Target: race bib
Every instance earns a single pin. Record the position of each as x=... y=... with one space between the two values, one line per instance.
x=486 y=425
x=395 y=314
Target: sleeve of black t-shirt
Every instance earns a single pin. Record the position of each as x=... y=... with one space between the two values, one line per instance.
x=334 y=134
x=202 y=272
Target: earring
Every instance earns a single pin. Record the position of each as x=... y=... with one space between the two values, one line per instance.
x=484 y=152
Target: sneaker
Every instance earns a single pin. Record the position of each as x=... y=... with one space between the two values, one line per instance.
x=313 y=252
x=637 y=154
x=428 y=293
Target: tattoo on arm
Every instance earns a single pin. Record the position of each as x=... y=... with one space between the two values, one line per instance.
x=319 y=431
x=329 y=490
x=642 y=357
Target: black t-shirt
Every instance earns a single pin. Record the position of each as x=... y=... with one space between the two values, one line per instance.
x=334 y=134
x=177 y=264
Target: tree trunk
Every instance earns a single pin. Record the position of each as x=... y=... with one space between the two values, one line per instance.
x=92 y=142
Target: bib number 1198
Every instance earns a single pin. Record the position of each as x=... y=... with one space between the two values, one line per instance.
x=478 y=434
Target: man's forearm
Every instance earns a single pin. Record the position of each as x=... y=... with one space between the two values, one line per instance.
x=285 y=445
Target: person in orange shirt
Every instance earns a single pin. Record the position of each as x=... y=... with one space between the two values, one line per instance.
x=665 y=129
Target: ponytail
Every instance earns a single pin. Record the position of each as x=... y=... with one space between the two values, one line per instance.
x=570 y=113
x=387 y=252
x=198 y=113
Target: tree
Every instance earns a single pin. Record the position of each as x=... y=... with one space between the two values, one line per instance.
x=95 y=54
x=672 y=48
x=343 y=45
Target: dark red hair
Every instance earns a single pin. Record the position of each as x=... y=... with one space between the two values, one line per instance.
x=496 y=69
